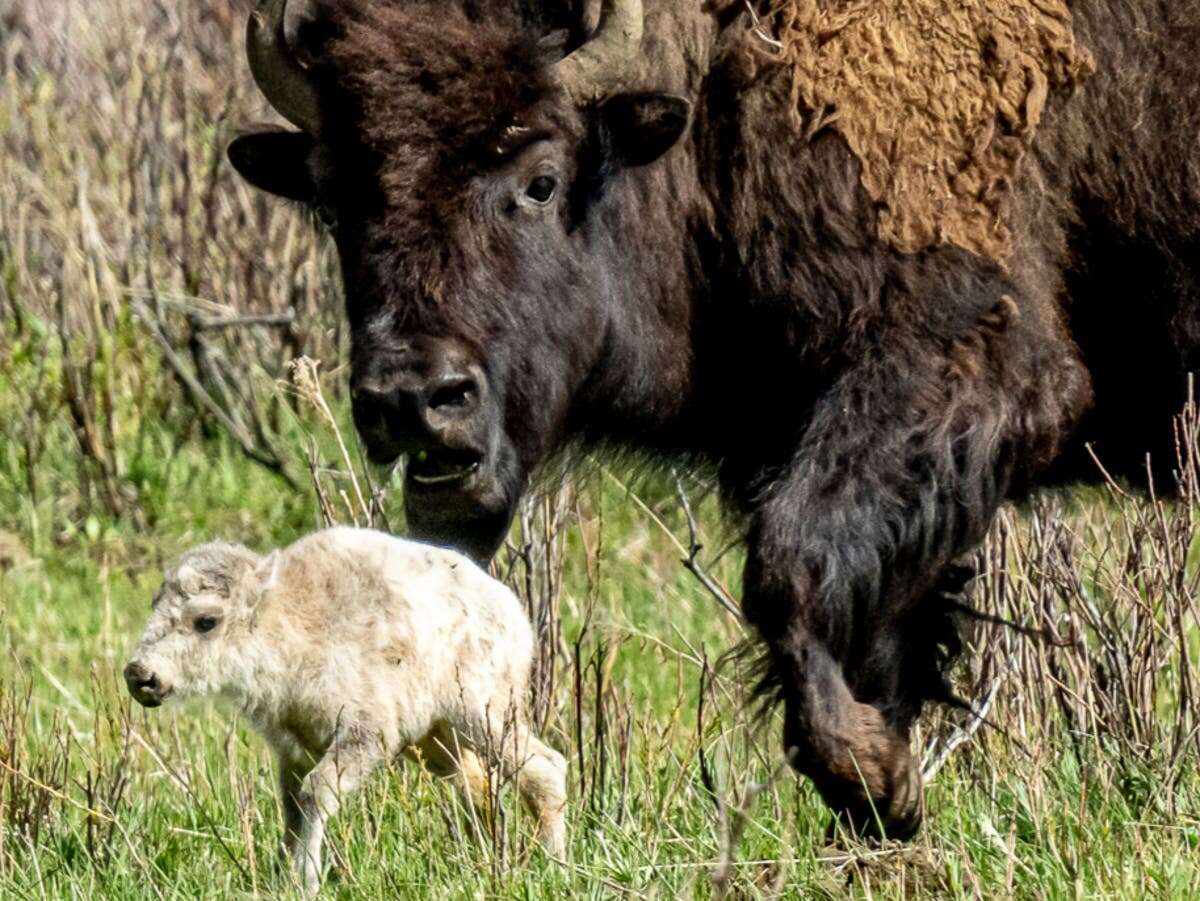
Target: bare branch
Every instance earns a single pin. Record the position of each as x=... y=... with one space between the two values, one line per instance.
x=271 y=319
x=734 y=826
x=203 y=400
x=936 y=759
x=692 y=563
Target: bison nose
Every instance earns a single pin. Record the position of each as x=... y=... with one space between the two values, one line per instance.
x=423 y=403
x=412 y=412
x=144 y=685
x=453 y=395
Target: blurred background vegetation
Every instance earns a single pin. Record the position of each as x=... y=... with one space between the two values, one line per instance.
x=152 y=312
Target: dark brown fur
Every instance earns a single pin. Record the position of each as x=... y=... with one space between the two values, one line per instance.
x=730 y=305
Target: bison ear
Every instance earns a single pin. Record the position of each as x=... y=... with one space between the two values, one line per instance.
x=275 y=161
x=639 y=128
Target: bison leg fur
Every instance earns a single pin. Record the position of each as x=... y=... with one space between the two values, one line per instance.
x=860 y=763
x=846 y=549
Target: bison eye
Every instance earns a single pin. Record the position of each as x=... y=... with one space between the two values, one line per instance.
x=541 y=189
x=205 y=623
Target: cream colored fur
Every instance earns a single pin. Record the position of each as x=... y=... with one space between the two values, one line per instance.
x=348 y=648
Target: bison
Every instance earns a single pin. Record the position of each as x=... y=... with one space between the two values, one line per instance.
x=562 y=230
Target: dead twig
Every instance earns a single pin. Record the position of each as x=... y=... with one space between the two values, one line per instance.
x=205 y=401
x=307 y=381
x=935 y=759
x=692 y=563
x=267 y=319
x=733 y=827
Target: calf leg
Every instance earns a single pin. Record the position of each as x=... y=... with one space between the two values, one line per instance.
x=542 y=784
x=445 y=755
x=540 y=773
x=292 y=770
x=340 y=771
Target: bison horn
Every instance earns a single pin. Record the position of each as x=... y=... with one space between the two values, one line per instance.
x=281 y=75
x=597 y=68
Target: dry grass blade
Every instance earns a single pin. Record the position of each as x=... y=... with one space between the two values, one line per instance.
x=305 y=378
x=1114 y=586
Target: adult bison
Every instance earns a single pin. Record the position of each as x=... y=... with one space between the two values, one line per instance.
x=555 y=235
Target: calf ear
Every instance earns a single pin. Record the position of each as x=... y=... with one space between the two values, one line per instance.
x=266 y=576
x=275 y=161
x=639 y=128
x=188 y=580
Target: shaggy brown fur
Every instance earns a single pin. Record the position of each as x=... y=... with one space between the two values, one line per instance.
x=732 y=306
x=940 y=104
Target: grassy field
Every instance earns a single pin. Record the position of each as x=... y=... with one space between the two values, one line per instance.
x=141 y=412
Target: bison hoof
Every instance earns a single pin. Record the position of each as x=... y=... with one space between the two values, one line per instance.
x=871 y=783
x=866 y=822
x=894 y=815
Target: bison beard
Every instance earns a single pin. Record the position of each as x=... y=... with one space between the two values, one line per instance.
x=735 y=302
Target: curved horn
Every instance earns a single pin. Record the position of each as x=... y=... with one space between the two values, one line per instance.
x=595 y=69
x=283 y=79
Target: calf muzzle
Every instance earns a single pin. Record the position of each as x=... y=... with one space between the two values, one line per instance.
x=145 y=687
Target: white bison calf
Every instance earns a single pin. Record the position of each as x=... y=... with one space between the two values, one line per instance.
x=345 y=649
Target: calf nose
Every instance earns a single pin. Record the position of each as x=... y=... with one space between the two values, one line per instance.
x=135 y=673
x=144 y=685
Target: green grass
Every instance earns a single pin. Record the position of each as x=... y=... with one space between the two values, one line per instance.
x=99 y=798
x=116 y=214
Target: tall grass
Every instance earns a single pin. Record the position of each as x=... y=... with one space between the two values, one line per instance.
x=151 y=307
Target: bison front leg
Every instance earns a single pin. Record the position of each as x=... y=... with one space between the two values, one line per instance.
x=899 y=471
x=835 y=733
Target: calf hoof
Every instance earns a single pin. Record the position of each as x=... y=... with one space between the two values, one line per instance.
x=554 y=841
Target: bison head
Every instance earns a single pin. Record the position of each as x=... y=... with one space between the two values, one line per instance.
x=464 y=164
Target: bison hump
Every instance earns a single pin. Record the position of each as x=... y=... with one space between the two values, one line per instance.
x=939 y=99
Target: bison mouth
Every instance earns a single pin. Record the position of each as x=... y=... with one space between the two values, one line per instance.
x=462 y=480
x=447 y=468
x=461 y=498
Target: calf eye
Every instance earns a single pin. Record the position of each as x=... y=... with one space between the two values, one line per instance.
x=541 y=189
x=206 y=623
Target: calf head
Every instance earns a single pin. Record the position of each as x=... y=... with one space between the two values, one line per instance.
x=199 y=615
x=461 y=158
